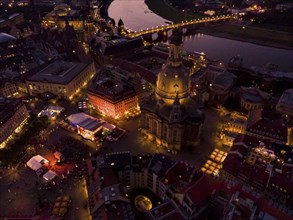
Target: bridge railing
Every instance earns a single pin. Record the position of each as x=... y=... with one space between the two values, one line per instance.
x=180 y=24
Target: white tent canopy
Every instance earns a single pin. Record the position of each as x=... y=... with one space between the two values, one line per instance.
x=49 y=175
x=36 y=162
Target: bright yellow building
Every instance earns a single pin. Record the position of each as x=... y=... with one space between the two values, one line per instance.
x=63 y=79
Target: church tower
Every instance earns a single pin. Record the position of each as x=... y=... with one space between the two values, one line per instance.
x=121 y=30
x=176 y=48
x=35 y=14
x=169 y=116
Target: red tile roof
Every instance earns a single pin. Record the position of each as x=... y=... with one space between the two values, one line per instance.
x=108 y=177
x=200 y=191
x=180 y=172
x=270 y=129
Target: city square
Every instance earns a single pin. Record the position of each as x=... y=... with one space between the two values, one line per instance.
x=149 y=110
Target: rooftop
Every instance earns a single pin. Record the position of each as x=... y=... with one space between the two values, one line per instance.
x=111 y=89
x=166 y=211
x=274 y=129
x=119 y=161
x=108 y=177
x=271 y=158
x=8 y=108
x=59 y=72
x=6 y=38
x=160 y=164
x=140 y=162
x=86 y=121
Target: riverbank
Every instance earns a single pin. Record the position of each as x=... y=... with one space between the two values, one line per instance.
x=166 y=11
x=251 y=34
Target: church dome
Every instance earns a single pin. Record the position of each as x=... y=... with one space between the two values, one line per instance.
x=174 y=76
x=6 y=38
x=173 y=79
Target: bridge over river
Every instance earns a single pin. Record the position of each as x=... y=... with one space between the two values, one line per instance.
x=182 y=24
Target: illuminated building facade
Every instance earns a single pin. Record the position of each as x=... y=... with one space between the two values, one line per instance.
x=253 y=98
x=61 y=14
x=170 y=117
x=12 y=114
x=89 y=127
x=82 y=22
x=8 y=89
x=63 y=79
x=112 y=96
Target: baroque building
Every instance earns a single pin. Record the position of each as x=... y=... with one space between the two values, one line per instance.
x=169 y=116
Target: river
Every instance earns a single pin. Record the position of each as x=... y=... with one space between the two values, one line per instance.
x=136 y=16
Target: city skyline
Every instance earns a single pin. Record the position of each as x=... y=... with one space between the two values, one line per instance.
x=146 y=109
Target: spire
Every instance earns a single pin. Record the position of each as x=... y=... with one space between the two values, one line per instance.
x=120 y=22
x=121 y=30
x=176 y=48
x=176 y=101
x=176 y=113
x=176 y=37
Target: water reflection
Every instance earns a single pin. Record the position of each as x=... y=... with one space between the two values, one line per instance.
x=137 y=16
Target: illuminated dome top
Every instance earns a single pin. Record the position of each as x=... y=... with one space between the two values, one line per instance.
x=174 y=76
x=62 y=6
x=176 y=37
x=172 y=80
x=6 y=38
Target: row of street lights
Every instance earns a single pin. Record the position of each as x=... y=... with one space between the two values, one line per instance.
x=183 y=23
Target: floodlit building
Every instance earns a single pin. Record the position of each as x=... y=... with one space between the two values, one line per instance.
x=221 y=87
x=63 y=79
x=63 y=14
x=169 y=116
x=253 y=98
x=13 y=114
x=111 y=95
x=88 y=126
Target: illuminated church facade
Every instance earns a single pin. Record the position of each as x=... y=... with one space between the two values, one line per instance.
x=169 y=116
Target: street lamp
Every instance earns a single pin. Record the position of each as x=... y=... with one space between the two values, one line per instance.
x=184 y=14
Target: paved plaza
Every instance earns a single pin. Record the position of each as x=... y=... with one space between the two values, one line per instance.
x=135 y=142
x=21 y=182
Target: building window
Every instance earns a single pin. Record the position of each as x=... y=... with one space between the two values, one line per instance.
x=174 y=135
